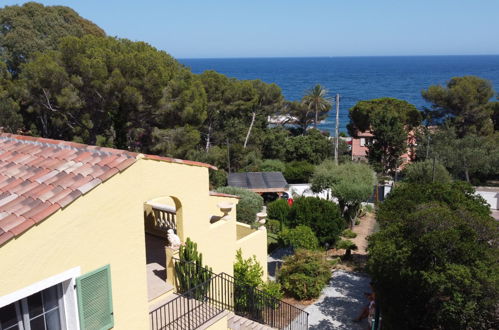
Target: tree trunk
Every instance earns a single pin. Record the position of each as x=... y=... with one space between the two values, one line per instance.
x=249 y=129
x=316 y=117
x=208 y=138
x=467 y=175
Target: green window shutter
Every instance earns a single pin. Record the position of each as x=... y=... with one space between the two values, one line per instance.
x=95 y=304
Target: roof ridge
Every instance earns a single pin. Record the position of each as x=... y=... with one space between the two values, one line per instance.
x=61 y=144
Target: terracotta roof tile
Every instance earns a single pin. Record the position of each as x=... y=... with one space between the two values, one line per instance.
x=22 y=227
x=45 y=212
x=108 y=173
x=10 y=222
x=65 y=201
x=39 y=176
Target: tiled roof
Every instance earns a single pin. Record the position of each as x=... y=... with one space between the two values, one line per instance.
x=39 y=176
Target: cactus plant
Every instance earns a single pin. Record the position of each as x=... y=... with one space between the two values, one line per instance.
x=189 y=270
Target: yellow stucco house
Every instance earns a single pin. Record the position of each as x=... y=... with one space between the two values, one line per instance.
x=83 y=241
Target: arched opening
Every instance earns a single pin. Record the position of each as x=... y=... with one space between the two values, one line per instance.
x=160 y=215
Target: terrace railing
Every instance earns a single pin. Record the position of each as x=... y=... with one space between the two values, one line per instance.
x=220 y=293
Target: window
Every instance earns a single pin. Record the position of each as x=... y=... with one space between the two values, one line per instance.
x=362 y=142
x=41 y=311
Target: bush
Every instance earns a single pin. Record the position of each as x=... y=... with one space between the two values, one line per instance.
x=273 y=289
x=272 y=165
x=249 y=205
x=304 y=274
x=405 y=198
x=298 y=172
x=347 y=233
x=426 y=172
x=248 y=275
x=301 y=237
x=346 y=245
x=273 y=226
x=278 y=209
x=440 y=251
x=322 y=216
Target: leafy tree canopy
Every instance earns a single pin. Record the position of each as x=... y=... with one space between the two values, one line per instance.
x=389 y=120
x=249 y=205
x=427 y=171
x=351 y=183
x=464 y=101
x=435 y=259
x=32 y=27
x=407 y=196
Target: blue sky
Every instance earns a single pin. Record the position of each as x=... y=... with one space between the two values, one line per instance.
x=275 y=28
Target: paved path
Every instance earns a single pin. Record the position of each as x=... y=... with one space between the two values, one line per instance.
x=340 y=302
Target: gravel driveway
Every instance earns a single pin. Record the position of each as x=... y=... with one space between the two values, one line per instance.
x=340 y=302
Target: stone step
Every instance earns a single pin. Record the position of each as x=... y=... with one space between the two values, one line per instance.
x=236 y=322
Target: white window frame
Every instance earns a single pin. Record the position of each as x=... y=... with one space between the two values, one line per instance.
x=68 y=281
x=362 y=142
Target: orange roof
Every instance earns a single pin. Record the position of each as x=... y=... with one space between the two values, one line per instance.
x=39 y=176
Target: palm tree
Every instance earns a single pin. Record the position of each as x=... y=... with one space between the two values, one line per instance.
x=316 y=100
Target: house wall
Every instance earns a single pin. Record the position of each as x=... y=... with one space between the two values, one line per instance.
x=106 y=226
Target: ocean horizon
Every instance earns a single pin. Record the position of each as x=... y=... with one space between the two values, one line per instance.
x=355 y=78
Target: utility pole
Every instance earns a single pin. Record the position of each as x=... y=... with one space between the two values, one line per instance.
x=337 y=129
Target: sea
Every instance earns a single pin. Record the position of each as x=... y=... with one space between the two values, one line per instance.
x=354 y=78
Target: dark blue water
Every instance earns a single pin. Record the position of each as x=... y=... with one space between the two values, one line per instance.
x=355 y=78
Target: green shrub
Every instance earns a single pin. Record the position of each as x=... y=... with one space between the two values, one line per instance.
x=304 y=274
x=249 y=205
x=322 y=216
x=347 y=233
x=298 y=172
x=273 y=226
x=278 y=209
x=346 y=245
x=273 y=289
x=426 y=172
x=248 y=276
x=300 y=237
x=272 y=165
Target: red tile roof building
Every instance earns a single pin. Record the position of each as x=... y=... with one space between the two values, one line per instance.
x=39 y=176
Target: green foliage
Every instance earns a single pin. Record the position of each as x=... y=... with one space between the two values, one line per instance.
x=389 y=120
x=426 y=172
x=249 y=205
x=304 y=274
x=322 y=216
x=273 y=289
x=351 y=183
x=346 y=245
x=464 y=103
x=274 y=143
x=298 y=172
x=278 y=209
x=478 y=156
x=190 y=271
x=317 y=101
x=273 y=226
x=248 y=276
x=272 y=165
x=348 y=233
x=247 y=272
x=300 y=237
x=32 y=27
x=313 y=147
x=439 y=252
x=407 y=197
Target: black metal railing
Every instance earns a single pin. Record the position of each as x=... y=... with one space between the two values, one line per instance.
x=221 y=292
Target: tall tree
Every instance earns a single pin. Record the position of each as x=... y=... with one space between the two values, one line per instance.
x=464 y=102
x=390 y=121
x=112 y=92
x=350 y=183
x=435 y=260
x=11 y=119
x=32 y=27
x=317 y=100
